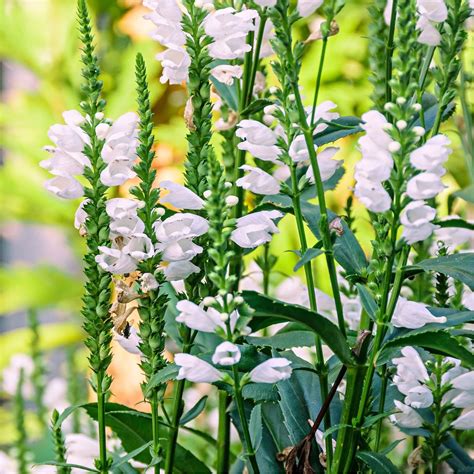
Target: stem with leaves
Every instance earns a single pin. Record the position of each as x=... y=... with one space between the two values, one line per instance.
x=59 y=446
x=21 y=436
x=96 y=301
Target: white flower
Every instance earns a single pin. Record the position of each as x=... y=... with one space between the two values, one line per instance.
x=8 y=465
x=407 y=417
x=11 y=375
x=464 y=381
x=56 y=394
x=258 y=181
x=433 y=154
x=80 y=217
x=148 y=283
x=419 y=397
x=413 y=315
x=194 y=369
x=226 y=73
x=64 y=162
x=226 y=354
x=120 y=138
x=180 y=196
x=139 y=247
x=259 y=140
x=65 y=187
x=129 y=343
x=255 y=229
x=416 y=219
x=176 y=271
x=327 y=166
x=465 y=421
x=299 y=150
x=175 y=251
x=180 y=226
x=424 y=186
x=126 y=226
x=373 y=195
x=117 y=172
x=374 y=168
x=431 y=12
x=175 y=62
x=306 y=7
x=322 y=113
x=271 y=371
x=119 y=208
x=81 y=450
x=70 y=137
x=266 y=3
x=196 y=318
x=115 y=261
x=454 y=239
x=411 y=370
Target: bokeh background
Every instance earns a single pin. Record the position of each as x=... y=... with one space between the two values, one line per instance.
x=40 y=249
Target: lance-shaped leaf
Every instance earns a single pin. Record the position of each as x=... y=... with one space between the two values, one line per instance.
x=338 y=128
x=377 y=462
x=268 y=311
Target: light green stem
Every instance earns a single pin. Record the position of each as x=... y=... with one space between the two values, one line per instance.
x=223 y=435
x=101 y=422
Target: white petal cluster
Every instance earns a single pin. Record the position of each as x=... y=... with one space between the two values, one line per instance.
x=129 y=243
x=67 y=157
x=258 y=181
x=175 y=61
x=413 y=315
x=431 y=13
x=255 y=229
x=376 y=164
x=175 y=242
x=417 y=218
x=259 y=140
x=412 y=380
x=229 y=28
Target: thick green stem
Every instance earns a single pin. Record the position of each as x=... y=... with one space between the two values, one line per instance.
x=102 y=425
x=318 y=78
x=389 y=52
x=239 y=401
x=155 y=429
x=174 y=428
x=223 y=435
x=383 y=393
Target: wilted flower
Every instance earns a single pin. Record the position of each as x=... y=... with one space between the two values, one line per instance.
x=194 y=369
x=271 y=371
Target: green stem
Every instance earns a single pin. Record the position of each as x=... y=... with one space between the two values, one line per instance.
x=256 y=59
x=243 y=420
x=383 y=393
x=174 y=428
x=467 y=136
x=101 y=423
x=389 y=52
x=155 y=430
x=318 y=78
x=223 y=435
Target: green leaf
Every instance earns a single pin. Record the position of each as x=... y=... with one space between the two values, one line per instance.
x=256 y=106
x=455 y=223
x=440 y=342
x=194 y=412
x=371 y=420
x=120 y=461
x=367 y=300
x=459 y=266
x=227 y=93
x=65 y=464
x=377 y=462
x=260 y=392
x=162 y=376
x=338 y=128
x=273 y=311
x=309 y=255
x=134 y=429
x=255 y=427
x=284 y=340
x=431 y=112
x=467 y=193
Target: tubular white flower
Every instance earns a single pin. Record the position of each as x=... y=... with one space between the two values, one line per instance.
x=419 y=397
x=322 y=112
x=65 y=187
x=148 y=283
x=175 y=62
x=431 y=12
x=120 y=138
x=407 y=417
x=259 y=140
x=413 y=315
x=180 y=226
x=196 y=318
x=139 y=247
x=255 y=229
x=130 y=343
x=464 y=381
x=195 y=370
x=226 y=354
x=424 y=186
x=372 y=195
x=258 y=181
x=115 y=261
x=119 y=208
x=266 y=3
x=180 y=196
x=126 y=226
x=411 y=370
x=271 y=371
x=306 y=7
x=175 y=251
x=453 y=239
x=433 y=154
x=176 y=271
x=327 y=166
x=117 y=172
x=416 y=219
x=80 y=217
x=465 y=421
x=226 y=73
x=65 y=163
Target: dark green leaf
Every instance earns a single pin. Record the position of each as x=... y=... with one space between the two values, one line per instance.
x=273 y=311
x=391 y=447
x=309 y=255
x=260 y=392
x=367 y=300
x=431 y=112
x=371 y=420
x=455 y=223
x=256 y=106
x=377 y=462
x=130 y=455
x=339 y=128
x=162 y=376
x=255 y=427
x=65 y=464
x=459 y=266
x=227 y=93
x=467 y=193
x=194 y=412
x=284 y=340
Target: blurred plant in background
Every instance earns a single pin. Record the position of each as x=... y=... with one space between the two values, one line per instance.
x=41 y=250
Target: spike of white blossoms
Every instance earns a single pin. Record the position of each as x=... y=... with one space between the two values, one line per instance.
x=258 y=181
x=271 y=371
x=255 y=229
x=376 y=163
x=413 y=315
x=431 y=12
x=194 y=369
